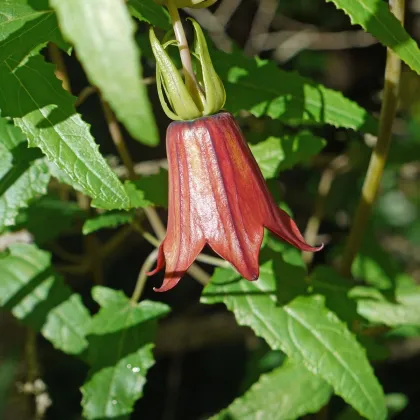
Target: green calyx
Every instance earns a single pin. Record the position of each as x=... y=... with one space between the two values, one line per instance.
x=182 y=101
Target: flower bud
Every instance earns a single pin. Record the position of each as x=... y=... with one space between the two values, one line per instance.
x=180 y=103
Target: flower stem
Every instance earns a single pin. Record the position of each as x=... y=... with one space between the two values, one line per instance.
x=184 y=51
x=118 y=139
x=378 y=159
x=141 y=280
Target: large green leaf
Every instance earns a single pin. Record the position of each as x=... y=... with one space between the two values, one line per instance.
x=307 y=332
x=376 y=18
x=25 y=24
x=24 y=174
x=276 y=154
x=118 y=374
x=263 y=89
x=150 y=12
x=44 y=111
x=272 y=397
x=103 y=35
x=37 y=296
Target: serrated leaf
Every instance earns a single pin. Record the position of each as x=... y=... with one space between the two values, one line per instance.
x=154 y=188
x=25 y=24
x=45 y=113
x=49 y=211
x=111 y=59
x=37 y=296
x=263 y=89
x=117 y=376
x=149 y=11
x=23 y=175
x=307 y=332
x=272 y=397
x=107 y=221
x=326 y=281
x=276 y=154
x=403 y=311
x=375 y=17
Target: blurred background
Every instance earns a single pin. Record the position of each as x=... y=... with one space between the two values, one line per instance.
x=203 y=358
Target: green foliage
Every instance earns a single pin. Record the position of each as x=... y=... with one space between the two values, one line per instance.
x=276 y=154
x=58 y=215
x=326 y=327
x=375 y=17
x=23 y=173
x=116 y=73
x=45 y=113
x=307 y=332
x=35 y=294
x=150 y=12
x=117 y=375
x=261 y=88
x=273 y=397
x=26 y=24
x=107 y=221
x=154 y=188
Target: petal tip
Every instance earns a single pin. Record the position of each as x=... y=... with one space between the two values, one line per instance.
x=168 y=284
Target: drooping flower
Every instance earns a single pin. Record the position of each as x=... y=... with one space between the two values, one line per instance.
x=217 y=196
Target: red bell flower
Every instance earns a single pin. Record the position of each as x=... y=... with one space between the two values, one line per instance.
x=217 y=196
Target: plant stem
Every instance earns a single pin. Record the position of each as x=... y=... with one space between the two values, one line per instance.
x=184 y=50
x=378 y=159
x=118 y=139
x=141 y=279
x=336 y=166
x=60 y=71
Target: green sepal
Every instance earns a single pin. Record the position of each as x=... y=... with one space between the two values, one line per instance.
x=214 y=91
x=166 y=72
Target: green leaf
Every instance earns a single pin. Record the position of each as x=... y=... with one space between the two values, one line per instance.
x=136 y=195
x=263 y=89
x=326 y=281
x=395 y=404
x=337 y=292
x=375 y=17
x=107 y=221
x=45 y=113
x=23 y=175
x=104 y=42
x=154 y=188
x=25 y=24
x=117 y=376
x=403 y=311
x=277 y=154
x=49 y=211
x=37 y=296
x=150 y=12
x=272 y=397
x=307 y=332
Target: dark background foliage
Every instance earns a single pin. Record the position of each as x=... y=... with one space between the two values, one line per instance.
x=204 y=359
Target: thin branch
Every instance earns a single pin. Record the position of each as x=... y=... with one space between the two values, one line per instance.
x=336 y=166
x=118 y=139
x=380 y=153
x=60 y=71
x=142 y=277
